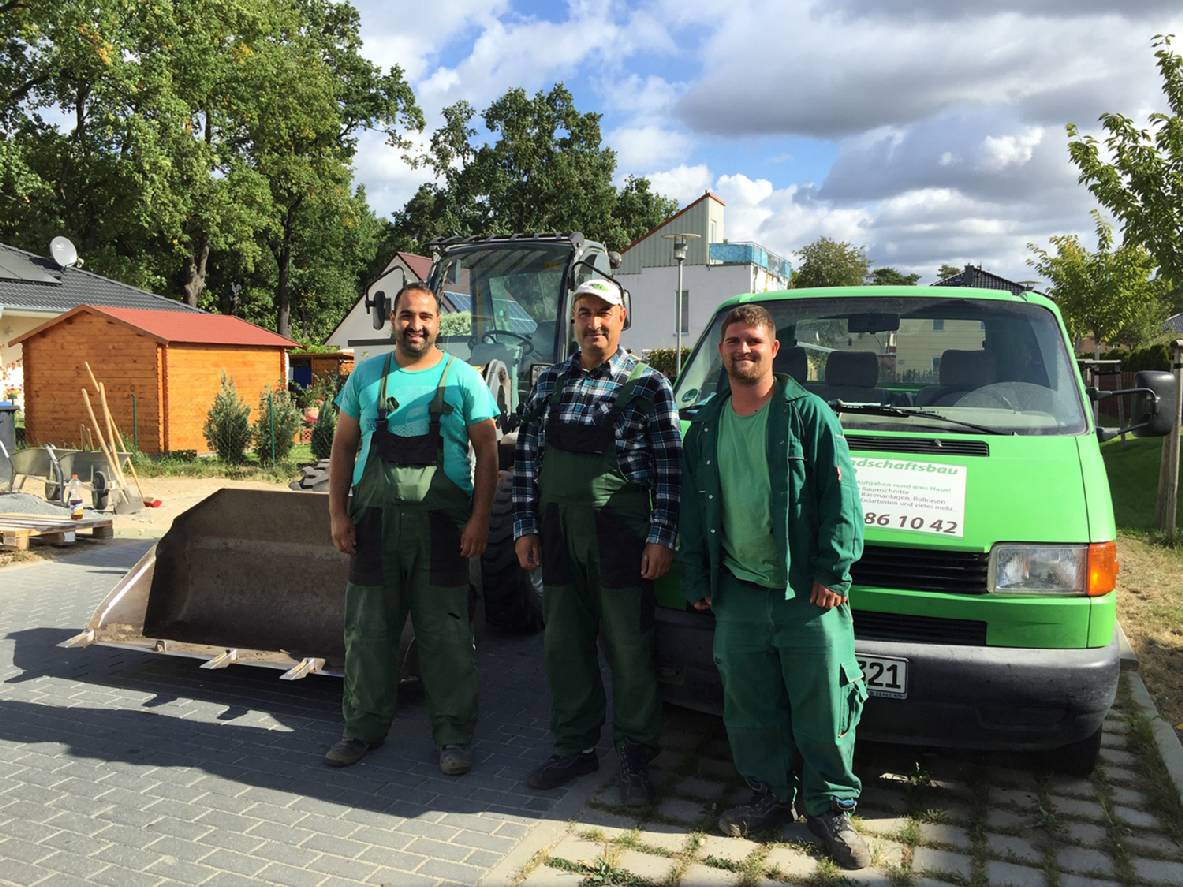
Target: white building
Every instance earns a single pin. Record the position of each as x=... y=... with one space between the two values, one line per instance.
x=714 y=270
x=357 y=325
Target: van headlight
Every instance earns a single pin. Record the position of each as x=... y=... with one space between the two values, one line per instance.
x=1039 y=569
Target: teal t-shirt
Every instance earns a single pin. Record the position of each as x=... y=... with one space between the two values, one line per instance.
x=464 y=390
x=749 y=548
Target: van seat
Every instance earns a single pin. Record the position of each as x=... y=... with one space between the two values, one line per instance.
x=853 y=376
x=961 y=372
x=792 y=360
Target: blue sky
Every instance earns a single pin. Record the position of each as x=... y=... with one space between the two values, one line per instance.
x=929 y=131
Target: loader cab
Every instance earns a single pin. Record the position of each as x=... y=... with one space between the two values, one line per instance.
x=507 y=302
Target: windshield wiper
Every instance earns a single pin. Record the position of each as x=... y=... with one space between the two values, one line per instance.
x=882 y=409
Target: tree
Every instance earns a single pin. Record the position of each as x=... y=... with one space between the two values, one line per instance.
x=827 y=262
x=1142 y=185
x=947 y=271
x=543 y=169
x=892 y=277
x=1110 y=294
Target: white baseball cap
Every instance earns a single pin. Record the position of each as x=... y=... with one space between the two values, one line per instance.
x=601 y=289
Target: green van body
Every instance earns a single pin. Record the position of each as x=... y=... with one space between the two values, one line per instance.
x=984 y=669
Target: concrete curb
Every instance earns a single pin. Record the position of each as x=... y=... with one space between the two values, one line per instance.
x=1125 y=652
x=1165 y=737
x=548 y=832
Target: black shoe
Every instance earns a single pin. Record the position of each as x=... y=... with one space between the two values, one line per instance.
x=559 y=770
x=843 y=844
x=761 y=813
x=636 y=790
x=347 y=752
x=455 y=760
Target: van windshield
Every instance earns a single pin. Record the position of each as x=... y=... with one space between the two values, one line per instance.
x=995 y=364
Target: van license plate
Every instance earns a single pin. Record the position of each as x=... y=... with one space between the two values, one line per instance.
x=885 y=676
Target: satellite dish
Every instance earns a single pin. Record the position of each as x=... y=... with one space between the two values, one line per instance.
x=63 y=252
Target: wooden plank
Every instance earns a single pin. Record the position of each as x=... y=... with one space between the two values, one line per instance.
x=17 y=529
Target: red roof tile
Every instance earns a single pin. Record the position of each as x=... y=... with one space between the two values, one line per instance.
x=421 y=265
x=173 y=326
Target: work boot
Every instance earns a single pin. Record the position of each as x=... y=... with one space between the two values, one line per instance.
x=347 y=752
x=843 y=844
x=636 y=789
x=560 y=769
x=455 y=760
x=761 y=813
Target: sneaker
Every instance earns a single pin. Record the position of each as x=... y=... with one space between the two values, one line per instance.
x=843 y=844
x=559 y=769
x=347 y=752
x=636 y=789
x=761 y=813
x=455 y=760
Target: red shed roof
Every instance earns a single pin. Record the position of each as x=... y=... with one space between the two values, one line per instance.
x=173 y=326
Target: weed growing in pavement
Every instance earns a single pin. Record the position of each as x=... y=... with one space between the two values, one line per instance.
x=1164 y=797
x=1122 y=863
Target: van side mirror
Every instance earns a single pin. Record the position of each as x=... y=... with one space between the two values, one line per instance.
x=1154 y=404
x=1152 y=413
x=379 y=309
x=628 y=306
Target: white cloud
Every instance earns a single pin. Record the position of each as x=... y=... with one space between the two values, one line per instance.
x=683 y=183
x=646 y=147
x=390 y=181
x=999 y=152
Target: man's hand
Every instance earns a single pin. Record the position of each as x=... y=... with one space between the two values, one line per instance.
x=702 y=604
x=825 y=598
x=655 y=561
x=343 y=532
x=475 y=536
x=529 y=552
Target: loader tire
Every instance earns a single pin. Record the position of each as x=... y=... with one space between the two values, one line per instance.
x=513 y=597
x=313 y=478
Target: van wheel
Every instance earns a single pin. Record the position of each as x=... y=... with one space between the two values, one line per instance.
x=1078 y=758
x=513 y=597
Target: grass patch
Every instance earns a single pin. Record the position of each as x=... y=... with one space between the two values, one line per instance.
x=186 y=465
x=1164 y=799
x=1133 y=481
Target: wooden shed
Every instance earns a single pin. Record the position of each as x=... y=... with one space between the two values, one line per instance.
x=161 y=370
x=307 y=365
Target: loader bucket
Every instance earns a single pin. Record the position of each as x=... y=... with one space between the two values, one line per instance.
x=245 y=576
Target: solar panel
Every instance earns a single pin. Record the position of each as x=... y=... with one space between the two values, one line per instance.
x=519 y=319
x=14 y=266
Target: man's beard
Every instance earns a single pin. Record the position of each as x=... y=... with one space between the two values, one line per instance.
x=745 y=372
x=416 y=348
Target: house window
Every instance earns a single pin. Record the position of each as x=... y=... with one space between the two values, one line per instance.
x=938 y=325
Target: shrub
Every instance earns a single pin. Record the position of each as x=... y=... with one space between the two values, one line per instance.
x=322 y=431
x=227 y=426
x=1152 y=357
x=275 y=428
x=662 y=360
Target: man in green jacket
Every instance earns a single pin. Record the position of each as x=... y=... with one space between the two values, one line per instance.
x=770 y=524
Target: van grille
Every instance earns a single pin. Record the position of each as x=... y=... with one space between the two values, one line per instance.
x=918 y=629
x=922 y=569
x=932 y=446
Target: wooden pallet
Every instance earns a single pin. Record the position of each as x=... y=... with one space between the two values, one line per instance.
x=17 y=529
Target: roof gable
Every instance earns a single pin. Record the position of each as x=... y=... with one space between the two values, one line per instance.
x=169 y=327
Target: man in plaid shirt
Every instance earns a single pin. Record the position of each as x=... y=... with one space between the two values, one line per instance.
x=595 y=488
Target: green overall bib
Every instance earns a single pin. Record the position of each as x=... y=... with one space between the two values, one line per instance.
x=593 y=527
x=408 y=516
x=791 y=687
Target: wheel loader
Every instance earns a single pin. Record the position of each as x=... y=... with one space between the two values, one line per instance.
x=251 y=577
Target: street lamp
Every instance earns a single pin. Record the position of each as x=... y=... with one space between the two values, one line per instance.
x=680 y=241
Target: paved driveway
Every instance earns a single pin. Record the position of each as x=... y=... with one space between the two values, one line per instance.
x=123 y=768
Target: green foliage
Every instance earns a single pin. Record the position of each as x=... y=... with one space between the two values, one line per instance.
x=276 y=426
x=827 y=262
x=892 y=277
x=456 y=323
x=543 y=169
x=227 y=427
x=1152 y=357
x=1109 y=293
x=1140 y=177
x=662 y=360
x=322 y=431
x=947 y=271
x=206 y=148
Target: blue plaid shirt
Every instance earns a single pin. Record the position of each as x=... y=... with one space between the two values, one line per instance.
x=648 y=441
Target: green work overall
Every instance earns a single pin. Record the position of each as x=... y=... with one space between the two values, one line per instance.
x=408 y=516
x=593 y=528
x=791 y=687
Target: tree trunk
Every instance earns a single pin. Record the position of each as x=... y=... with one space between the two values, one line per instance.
x=283 y=260
x=195 y=268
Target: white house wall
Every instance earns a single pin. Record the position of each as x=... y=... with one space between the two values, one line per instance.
x=357 y=323
x=653 y=300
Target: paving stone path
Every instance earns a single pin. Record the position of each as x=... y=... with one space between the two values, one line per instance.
x=122 y=768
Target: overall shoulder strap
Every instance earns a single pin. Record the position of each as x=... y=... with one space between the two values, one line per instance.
x=382 y=401
x=438 y=405
x=627 y=390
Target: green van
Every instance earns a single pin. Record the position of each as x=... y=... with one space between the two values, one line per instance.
x=984 y=602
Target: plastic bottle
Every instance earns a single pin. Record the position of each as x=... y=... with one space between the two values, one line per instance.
x=74 y=497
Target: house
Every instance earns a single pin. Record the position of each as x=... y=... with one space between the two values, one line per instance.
x=34 y=289
x=715 y=269
x=161 y=371
x=356 y=325
x=975 y=276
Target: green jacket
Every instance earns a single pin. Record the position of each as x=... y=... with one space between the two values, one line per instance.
x=817 y=517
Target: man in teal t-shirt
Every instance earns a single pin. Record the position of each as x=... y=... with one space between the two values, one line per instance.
x=418 y=512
